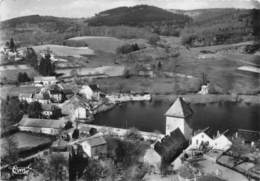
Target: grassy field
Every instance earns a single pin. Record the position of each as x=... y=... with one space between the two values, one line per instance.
x=26 y=140
x=10 y=72
x=101 y=43
x=13 y=90
x=60 y=50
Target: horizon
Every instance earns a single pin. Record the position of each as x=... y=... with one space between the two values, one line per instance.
x=88 y=8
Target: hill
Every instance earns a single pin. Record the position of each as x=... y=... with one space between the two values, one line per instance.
x=220 y=26
x=203 y=27
x=156 y=19
x=37 y=30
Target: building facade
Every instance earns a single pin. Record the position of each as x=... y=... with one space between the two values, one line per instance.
x=179 y=115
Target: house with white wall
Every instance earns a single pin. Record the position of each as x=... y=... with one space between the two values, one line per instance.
x=94 y=146
x=44 y=80
x=220 y=142
x=87 y=92
x=199 y=138
x=179 y=115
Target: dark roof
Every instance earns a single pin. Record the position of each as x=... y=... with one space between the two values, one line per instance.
x=47 y=107
x=172 y=145
x=67 y=91
x=248 y=135
x=179 y=109
x=94 y=87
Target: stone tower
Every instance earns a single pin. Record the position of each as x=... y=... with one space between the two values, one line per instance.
x=179 y=115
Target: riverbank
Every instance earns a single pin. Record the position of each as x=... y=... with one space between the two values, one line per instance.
x=210 y=98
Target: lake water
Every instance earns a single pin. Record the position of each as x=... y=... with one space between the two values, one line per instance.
x=149 y=116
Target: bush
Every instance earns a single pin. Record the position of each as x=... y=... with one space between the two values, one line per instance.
x=154 y=39
x=34 y=110
x=133 y=134
x=75 y=134
x=127 y=48
x=23 y=77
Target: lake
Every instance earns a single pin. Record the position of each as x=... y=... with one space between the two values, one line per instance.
x=149 y=116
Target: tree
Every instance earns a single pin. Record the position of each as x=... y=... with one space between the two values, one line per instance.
x=11 y=112
x=68 y=125
x=56 y=164
x=93 y=131
x=31 y=57
x=133 y=134
x=56 y=113
x=34 y=110
x=75 y=134
x=46 y=68
x=93 y=171
x=127 y=74
x=154 y=39
x=23 y=77
x=12 y=45
x=10 y=150
x=159 y=65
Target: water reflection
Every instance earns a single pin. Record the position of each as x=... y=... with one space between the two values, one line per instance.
x=149 y=116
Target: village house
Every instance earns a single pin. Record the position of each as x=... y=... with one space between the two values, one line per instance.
x=39 y=97
x=87 y=91
x=179 y=115
x=94 y=146
x=44 y=80
x=200 y=138
x=248 y=136
x=153 y=159
x=96 y=90
x=171 y=146
x=47 y=110
x=28 y=97
x=220 y=142
x=44 y=126
x=78 y=108
x=56 y=96
x=50 y=111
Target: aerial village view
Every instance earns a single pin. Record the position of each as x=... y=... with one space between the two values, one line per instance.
x=130 y=90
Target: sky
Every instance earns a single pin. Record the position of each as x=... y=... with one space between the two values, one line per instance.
x=87 y=8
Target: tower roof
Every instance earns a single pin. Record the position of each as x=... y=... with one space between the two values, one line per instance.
x=179 y=109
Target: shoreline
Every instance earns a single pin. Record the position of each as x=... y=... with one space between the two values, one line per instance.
x=210 y=98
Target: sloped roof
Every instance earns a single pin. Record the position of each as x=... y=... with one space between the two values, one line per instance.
x=45 y=78
x=249 y=136
x=42 y=123
x=47 y=107
x=28 y=95
x=95 y=140
x=179 y=109
x=172 y=144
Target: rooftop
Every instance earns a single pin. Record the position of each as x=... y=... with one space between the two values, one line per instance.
x=94 y=140
x=173 y=144
x=179 y=109
x=42 y=123
x=45 y=78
